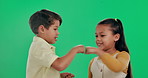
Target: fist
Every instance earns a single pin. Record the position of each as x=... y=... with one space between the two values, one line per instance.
x=93 y=50
x=79 y=49
x=66 y=75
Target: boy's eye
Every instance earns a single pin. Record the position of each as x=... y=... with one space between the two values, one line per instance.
x=55 y=29
x=96 y=35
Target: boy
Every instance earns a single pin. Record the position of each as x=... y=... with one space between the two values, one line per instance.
x=42 y=60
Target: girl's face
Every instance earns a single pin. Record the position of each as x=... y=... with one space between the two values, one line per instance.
x=105 y=39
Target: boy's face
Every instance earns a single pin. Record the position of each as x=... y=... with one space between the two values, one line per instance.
x=51 y=34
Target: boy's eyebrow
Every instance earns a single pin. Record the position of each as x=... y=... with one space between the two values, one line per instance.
x=56 y=26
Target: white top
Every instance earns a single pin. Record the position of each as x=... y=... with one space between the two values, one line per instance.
x=100 y=70
x=40 y=58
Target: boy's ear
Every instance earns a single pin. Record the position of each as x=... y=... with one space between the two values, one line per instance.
x=41 y=29
x=116 y=37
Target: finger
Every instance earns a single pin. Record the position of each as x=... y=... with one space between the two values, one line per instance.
x=68 y=76
x=80 y=45
x=90 y=53
x=84 y=49
x=72 y=75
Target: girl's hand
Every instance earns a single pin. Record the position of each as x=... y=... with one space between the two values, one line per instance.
x=66 y=75
x=93 y=50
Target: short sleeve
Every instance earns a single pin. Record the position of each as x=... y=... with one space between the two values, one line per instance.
x=45 y=56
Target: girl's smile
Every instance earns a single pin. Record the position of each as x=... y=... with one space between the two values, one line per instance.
x=105 y=37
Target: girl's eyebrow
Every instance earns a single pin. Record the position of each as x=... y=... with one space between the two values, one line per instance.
x=99 y=32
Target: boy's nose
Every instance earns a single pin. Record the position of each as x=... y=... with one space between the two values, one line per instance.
x=58 y=32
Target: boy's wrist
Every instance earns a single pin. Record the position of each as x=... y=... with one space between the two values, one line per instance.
x=73 y=50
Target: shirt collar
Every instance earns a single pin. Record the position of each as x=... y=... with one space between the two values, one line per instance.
x=36 y=38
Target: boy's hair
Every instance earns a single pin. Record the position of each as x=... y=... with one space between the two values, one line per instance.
x=117 y=28
x=43 y=17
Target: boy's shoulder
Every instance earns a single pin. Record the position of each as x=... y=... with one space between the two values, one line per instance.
x=41 y=43
x=40 y=47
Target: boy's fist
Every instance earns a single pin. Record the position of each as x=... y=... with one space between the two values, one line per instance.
x=66 y=75
x=79 y=49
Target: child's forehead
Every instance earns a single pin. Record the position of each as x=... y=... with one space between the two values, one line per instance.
x=103 y=29
x=56 y=23
x=55 y=26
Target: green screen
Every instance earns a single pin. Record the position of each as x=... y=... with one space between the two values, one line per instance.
x=80 y=18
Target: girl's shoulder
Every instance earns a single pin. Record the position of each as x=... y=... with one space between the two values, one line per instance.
x=123 y=54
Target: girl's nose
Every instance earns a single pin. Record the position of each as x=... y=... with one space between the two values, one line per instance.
x=98 y=38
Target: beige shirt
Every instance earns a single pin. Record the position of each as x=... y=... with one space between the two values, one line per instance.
x=40 y=58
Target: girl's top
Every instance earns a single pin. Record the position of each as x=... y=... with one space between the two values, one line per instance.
x=110 y=65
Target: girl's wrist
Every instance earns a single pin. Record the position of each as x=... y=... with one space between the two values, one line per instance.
x=100 y=53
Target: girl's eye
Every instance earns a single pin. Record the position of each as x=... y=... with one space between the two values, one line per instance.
x=102 y=35
x=55 y=29
x=96 y=35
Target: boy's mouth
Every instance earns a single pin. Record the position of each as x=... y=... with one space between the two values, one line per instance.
x=56 y=38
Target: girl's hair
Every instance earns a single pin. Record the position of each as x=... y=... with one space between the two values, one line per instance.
x=117 y=28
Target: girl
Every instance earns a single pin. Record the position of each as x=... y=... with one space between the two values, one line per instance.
x=113 y=60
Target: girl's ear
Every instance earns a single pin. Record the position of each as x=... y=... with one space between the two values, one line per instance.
x=116 y=37
x=41 y=29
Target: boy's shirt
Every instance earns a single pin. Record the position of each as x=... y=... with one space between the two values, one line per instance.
x=41 y=56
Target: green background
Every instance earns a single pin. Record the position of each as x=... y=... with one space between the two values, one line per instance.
x=79 y=21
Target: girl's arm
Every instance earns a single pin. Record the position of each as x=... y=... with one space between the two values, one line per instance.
x=116 y=64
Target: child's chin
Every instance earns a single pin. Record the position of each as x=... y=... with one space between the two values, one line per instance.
x=100 y=48
x=53 y=42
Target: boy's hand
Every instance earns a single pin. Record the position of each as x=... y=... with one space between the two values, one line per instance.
x=66 y=75
x=79 y=49
x=93 y=50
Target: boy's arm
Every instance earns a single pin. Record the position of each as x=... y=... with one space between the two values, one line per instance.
x=63 y=62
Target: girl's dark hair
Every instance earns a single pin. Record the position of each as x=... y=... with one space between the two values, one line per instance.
x=43 y=17
x=117 y=28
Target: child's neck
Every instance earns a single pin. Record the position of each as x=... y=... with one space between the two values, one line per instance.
x=111 y=51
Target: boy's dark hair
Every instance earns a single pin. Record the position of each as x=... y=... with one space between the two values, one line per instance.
x=117 y=28
x=43 y=17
